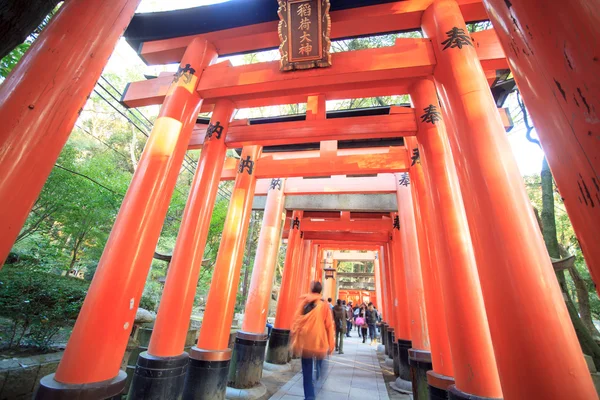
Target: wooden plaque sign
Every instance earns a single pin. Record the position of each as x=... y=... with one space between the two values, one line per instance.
x=304 y=28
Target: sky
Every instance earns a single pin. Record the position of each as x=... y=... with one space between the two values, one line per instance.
x=528 y=155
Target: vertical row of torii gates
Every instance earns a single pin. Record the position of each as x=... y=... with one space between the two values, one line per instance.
x=466 y=287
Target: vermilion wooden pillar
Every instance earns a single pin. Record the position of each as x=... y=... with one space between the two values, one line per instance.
x=105 y=320
x=319 y=264
x=415 y=253
x=403 y=333
x=251 y=341
x=387 y=268
x=209 y=359
x=462 y=299
x=306 y=264
x=259 y=293
x=166 y=349
x=378 y=285
x=392 y=299
x=286 y=301
x=330 y=284
x=441 y=376
x=401 y=300
x=516 y=275
x=556 y=71
x=41 y=98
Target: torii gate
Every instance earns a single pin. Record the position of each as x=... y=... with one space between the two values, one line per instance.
x=456 y=248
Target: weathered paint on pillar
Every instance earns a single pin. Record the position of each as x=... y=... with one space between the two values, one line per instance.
x=415 y=292
x=259 y=294
x=516 y=275
x=216 y=324
x=37 y=117
x=556 y=71
x=436 y=317
x=173 y=318
x=286 y=301
x=105 y=320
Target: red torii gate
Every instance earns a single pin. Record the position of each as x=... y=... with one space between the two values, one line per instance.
x=475 y=273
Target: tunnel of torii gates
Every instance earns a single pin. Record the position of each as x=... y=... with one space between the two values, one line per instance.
x=471 y=305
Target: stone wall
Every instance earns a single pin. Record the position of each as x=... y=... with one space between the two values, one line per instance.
x=20 y=377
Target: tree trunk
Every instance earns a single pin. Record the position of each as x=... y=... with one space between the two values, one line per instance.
x=587 y=342
x=548 y=220
x=19 y=18
x=583 y=301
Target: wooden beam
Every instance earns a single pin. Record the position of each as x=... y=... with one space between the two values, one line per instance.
x=332 y=245
x=280 y=133
x=353 y=237
x=399 y=123
x=363 y=21
x=374 y=225
x=384 y=71
x=359 y=226
x=395 y=160
x=369 y=69
x=380 y=184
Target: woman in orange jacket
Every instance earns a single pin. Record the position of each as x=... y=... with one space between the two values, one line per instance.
x=312 y=334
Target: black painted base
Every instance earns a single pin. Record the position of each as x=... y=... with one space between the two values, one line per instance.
x=245 y=370
x=157 y=378
x=206 y=380
x=455 y=394
x=278 y=351
x=396 y=355
x=437 y=393
x=384 y=327
x=420 y=363
x=50 y=389
x=438 y=385
x=403 y=347
x=389 y=341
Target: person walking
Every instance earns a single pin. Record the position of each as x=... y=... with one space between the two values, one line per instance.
x=339 y=319
x=361 y=324
x=312 y=335
x=349 y=318
x=371 y=320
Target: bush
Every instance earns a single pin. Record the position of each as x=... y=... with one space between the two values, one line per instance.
x=39 y=303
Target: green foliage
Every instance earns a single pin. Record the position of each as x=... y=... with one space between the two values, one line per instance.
x=11 y=59
x=38 y=303
x=566 y=238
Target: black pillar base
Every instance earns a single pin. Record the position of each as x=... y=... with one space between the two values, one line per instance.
x=438 y=385
x=420 y=363
x=246 y=368
x=50 y=389
x=389 y=341
x=455 y=394
x=206 y=377
x=157 y=378
x=403 y=347
x=396 y=354
x=384 y=327
x=278 y=352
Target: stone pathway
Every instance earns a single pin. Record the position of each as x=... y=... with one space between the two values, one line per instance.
x=356 y=374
